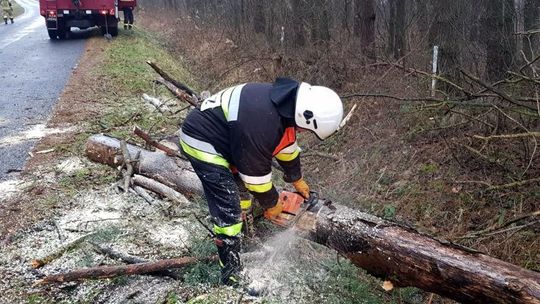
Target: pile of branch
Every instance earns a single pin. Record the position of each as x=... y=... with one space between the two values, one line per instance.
x=385 y=249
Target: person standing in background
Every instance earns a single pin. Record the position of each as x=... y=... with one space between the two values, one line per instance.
x=7 y=10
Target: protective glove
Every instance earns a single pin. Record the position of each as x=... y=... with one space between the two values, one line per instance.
x=272 y=213
x=302 y=187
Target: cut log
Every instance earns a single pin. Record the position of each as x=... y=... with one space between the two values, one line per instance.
x=170 y=171
x=401 y=254
x=104 y=272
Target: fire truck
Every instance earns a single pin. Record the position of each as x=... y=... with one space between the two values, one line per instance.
x=62 y=15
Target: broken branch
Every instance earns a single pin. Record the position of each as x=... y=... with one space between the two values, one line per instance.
x=37 y=263
x=103 y=272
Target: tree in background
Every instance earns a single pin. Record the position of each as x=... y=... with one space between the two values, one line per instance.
x=447 y=34
x=364 y=26
x=499 y=39
x=396 y=30
x=531 y=14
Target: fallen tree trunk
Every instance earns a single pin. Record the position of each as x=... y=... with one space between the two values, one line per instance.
x=409 y=258
x=103 y=272
x=401 y=254
x=170 y=171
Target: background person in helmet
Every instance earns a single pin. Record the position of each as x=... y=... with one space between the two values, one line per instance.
x=232 y=139
x=7 y=10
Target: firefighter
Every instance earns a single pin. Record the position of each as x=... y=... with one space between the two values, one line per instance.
x=128 y=17
x=231 y=141
x=7 y=10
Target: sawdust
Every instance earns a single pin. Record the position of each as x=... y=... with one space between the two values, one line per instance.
x=11 y=187
x=70 y=165
x=35 y=132
x=123 y=221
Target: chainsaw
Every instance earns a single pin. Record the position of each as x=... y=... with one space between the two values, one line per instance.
x=295 y=206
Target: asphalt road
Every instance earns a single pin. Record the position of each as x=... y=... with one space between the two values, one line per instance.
x=33 y=73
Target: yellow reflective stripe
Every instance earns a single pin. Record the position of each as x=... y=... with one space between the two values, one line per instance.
x=245 y=204
x=261 y=188
x=204 y=156
x=287 y=156
x=232 y=230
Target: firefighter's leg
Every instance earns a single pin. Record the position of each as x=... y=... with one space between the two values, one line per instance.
x=10 y=12
x=221 y=194
x=125 y=18
x=130 y=21
x=246 y=204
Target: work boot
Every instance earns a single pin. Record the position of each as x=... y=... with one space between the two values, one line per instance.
x=5 y=20
x=130 y=26
x=229 y=259
x=12 y=21
x=125 y=26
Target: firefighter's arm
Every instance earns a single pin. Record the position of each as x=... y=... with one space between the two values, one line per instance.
x=289 y=160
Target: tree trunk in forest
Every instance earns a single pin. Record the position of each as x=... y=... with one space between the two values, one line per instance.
x=396 y=31
x=320 y=22
x=259 y=19
x=296 y=26
x=385 y=249
x=499 y=37
x=446 y=34
x=364 y=26
x=531 y=13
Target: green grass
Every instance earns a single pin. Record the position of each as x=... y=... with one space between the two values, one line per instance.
x=126 y=62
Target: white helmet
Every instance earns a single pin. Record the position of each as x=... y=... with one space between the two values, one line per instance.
x=318 y=109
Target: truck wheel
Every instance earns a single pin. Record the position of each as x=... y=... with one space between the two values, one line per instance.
x=62 y=34
x=113 y=30
x=53 y=34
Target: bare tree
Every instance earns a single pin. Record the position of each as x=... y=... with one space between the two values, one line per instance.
x=364 y=26
x=531 y=14
x=499 y=38
x=396 y=31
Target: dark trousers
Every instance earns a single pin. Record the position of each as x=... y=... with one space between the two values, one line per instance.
x=128 y=15
x=221 y=192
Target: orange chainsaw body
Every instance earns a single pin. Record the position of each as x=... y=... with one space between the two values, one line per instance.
x=292 y=206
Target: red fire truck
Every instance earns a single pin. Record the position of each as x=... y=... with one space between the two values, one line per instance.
x=62 y=15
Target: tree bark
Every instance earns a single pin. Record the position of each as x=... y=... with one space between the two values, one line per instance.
x=386 y=249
